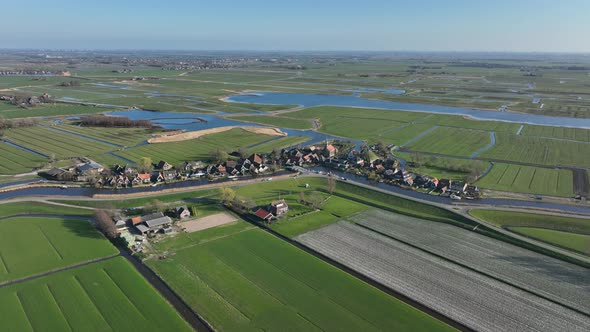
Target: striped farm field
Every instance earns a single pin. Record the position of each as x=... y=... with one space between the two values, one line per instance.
x=62 y=145
x=279 y=143
x=401 y=135
x=104 y=296
x=452 y=141
x=529 y=179
x=14 y=160
x=541 y=151
x=118 y=136
x=30 y=245
x=575 y=134
x=195 y=149
x=251 y=280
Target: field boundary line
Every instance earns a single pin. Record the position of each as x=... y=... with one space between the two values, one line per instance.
x=299 y=281
x=4 y=264
x=61 y=310
x=123 y=292
x=472 y=269
x=377 y=285
x=20 y=302
x=100 y=313
x=50 y=243
x=50 y=272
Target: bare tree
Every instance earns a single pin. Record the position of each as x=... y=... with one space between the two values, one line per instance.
x=331 y=185
x=105 y=223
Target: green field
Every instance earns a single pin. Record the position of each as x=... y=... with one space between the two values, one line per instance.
x=575 y=242
x=24 y=208
x=12 y=112
x=14 y=160
x=61 y=145
x=531 y=220
x=195 y=149
x=34 y=245
x=541 y=151
x=575 y=134
x=278 y=121
x=248 y=279
x=356 y=123
x=105 y=296
x=528 y=179
x=118 y=136
x=279 y=143
x=452 y=141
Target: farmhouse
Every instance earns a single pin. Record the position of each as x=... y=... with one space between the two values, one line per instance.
x=152 y=223
x=164 y=166
x=279 y=208
x=182 y=212
x=264 y=215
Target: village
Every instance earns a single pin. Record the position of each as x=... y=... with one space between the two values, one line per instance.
x=380 y=168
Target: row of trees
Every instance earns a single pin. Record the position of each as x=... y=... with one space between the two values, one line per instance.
x=16 y=123
x=114 y=122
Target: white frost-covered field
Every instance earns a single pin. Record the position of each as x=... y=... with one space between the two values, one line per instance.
x=559 y=281
x=477 y=301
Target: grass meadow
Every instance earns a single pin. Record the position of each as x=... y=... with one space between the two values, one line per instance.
x=528 y=179
x=247 y=279
x=575 y=242
x=30 y=245
x=104 y=296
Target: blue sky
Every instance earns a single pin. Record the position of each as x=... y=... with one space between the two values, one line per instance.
x=382 y=25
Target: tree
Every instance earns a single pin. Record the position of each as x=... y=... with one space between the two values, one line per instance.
x=301 y=197
x=218 y=155
x=382 y=148
x=194 y=211
x=315 y=200
x=331 y=186
x=105 y=223
x=227 y=195
x=155 y=206
x=243 y=152
x=146 y=165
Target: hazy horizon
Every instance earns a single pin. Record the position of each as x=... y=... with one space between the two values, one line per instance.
x=518 y=26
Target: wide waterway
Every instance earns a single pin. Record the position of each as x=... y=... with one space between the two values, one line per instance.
x=310 y=100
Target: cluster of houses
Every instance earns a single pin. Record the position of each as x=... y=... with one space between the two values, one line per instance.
x=128 y=176
x=388 y=170
x=309 y=155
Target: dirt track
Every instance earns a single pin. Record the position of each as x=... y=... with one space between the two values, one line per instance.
x=196 y=134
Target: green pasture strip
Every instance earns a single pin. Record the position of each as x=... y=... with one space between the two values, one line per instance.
x=528 y=179
x=452 y=141
x=576 y=134
x=541 y=151
x=195 y=149
x=30 y=245
x=279 y=143
x=278 y=121
x=24 y=208
x=109 y=295
x=523 y=219
x=251 y=280
x=576 y=242
x=62 y=145
x=119 y=136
